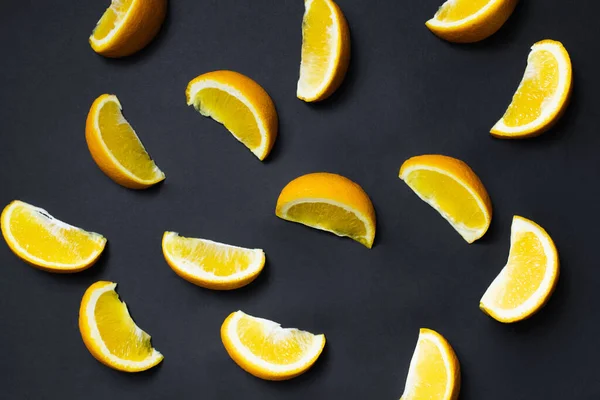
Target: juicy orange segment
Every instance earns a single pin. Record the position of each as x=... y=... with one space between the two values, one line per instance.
x=240 y=104
x=210 y=264
x=434 y=371
x=127 y=26
x=325 y=50
x=452 y=188
x=266 y=350
x=526 y=282
x=110 y=334
x=116 y=148
x=543 y=94
x=466 y=21
x=329 y=202
x=48 y=243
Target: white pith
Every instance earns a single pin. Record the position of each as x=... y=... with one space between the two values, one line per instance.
x=521 y=225
x=197 y=271
x=211 y=84
x=473 y=17
x=333 y=32
x=369 y=234
x=113 y=99
x=275 y=369
x=97 y=338
x=469 y=235
x=551 y=104
x=53 y=227
x=411 y=378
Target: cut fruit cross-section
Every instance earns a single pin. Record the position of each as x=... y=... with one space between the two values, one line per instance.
x=47 y=243
x=116 y=148
x=542 y=96
x=526 y=282
x=240 y=104
x=331 y=203
x=266 y=350
x=210 y=264
x=434 y=371
x=325 y=50
x=451 y=187
x=110 y=334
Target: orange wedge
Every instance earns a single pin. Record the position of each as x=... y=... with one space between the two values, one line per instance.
x=467 y=21
x=452 y=188
x=47 y=243
x=527 y=281
x=240 y=104
x=210 y=264
x=542 y=96
x=325 y=50
x=128 y=26
x=110 y=334
x=116 y=148
x=266 y=350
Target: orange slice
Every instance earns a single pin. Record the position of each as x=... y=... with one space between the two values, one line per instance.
x=47 y=243
x=266 y=350
x=128 y=26
x=116 y=148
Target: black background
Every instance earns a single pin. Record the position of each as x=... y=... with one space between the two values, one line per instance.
x=407 y=93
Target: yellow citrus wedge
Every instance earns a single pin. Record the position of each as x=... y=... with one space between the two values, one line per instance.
x=325 y=50
x=542 y=96
x=451 y=187
x=116 y=148
x=110 y=334
x=434 y=371
x=468 y=21
x=210 y=264
x=331 y=203
x=127 y=26
x=240 y=104
x=43 y=241
x=526 y=282
x=266 y=350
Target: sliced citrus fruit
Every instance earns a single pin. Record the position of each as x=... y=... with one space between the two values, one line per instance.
x=331 y=203
x=468 y=21
x=240 y=104
x=434 y=371
x=542 y=96
x=526 y=282
x=210 y=264
x=127 y=26
x=116 y=148
x=110 y=334
x=43 y=241
x=266 y=350
x=451 y=187
x=325 y=50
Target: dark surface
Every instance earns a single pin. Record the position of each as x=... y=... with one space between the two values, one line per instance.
x=407 y=93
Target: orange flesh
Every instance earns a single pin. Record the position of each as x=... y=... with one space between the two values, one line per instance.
x=329 y=217
x=456 y=10
x=316 y=44
x=49 y=239
x=219 y=260
x=430 y=373
x=538 y=85
x=525 y=271
x=272 y=343
x=231 y=112
x=450 y=196
x=123 y=142
x=111 y=18
x=118 y=331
